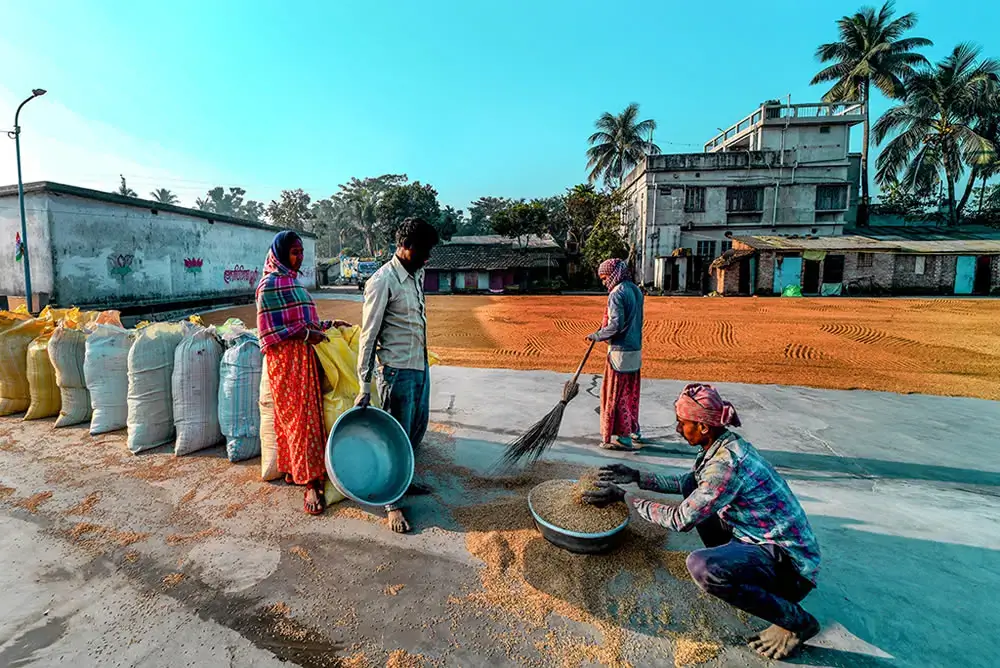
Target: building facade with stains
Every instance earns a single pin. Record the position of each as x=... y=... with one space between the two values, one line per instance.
x=907 y=261
x=784 y=169
x=94 y=249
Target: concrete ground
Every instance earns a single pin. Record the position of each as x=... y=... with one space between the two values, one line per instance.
x=151 y=560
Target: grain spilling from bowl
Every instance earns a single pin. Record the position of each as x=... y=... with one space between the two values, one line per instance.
x=555 y=502
x=586 y=483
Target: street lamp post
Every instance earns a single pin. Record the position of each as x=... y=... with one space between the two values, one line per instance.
x=38 y=92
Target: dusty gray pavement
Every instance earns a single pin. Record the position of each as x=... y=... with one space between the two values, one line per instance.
x=151 y=560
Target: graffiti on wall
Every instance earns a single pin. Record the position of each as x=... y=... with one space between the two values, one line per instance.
x=120 y=266
x=192 y=265
x=240 y=274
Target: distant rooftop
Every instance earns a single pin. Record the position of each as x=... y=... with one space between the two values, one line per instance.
x=531 y=241
x=776 y=113
x=972 y=240
x=114 y=198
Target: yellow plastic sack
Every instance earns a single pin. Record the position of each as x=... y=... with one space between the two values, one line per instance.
x=15 y=392
x=45 y=397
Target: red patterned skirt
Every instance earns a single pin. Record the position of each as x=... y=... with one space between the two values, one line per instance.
x=619 y=403
x=293 y=372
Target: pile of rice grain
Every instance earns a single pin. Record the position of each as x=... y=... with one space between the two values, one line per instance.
x=556 y=502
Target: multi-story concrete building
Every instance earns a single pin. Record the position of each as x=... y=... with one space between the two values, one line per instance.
x=786 y=169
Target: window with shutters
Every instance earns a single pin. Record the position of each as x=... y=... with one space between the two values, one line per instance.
x=745 y=199
x=920 y=265
x=724 y=246
x=694 y=199
x=831 y=198
x=706 y=249
x=866 y=260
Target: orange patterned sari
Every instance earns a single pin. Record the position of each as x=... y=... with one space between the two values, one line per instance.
x=293 y=372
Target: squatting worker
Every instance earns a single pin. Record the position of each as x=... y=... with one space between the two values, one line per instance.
x=760 y=554
x=394 y=331
x=288 y=323
x=622 y=330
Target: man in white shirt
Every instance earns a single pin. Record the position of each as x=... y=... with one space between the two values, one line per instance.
x=394 y=333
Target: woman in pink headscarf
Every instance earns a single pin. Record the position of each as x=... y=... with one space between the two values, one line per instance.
x=622 y=330
x=760 y=553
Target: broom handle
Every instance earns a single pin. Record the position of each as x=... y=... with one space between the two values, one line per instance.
x=579 y=369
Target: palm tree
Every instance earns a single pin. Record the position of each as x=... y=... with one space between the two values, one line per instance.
x=871 y=50
x=986 y=166
x=124 y=190
x=164 y=196
x=619 y=144
x=936 y=125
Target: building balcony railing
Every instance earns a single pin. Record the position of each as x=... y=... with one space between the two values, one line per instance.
x=848 y=111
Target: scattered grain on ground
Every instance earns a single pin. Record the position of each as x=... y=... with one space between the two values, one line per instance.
x=676 y=563
x=692 y=652
x=32 y=503
x=402 y=659
x=392 y=590
x=178 y=539
x=85 y=506
x=173 y=579
x=300 y=552
x=931 y=346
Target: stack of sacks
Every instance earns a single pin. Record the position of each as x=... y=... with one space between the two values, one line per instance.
x=67 y=352
x=150 y=378
x=239 y=393
x=42 y=387
x=105 y=370
x=195 y=391
x=15 y=338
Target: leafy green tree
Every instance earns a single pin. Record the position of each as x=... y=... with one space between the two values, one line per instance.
x=620 y=142
x=481 y=212
x=557 y=218
x=583 y=205
x=935 y=133
x=871 y=50
x=605 y=242
x=406 y=201
x=449 y=222
x=164 y=196
x=231 y=203
x=124 y=190
x=292 y=211
x=520 y=220
x=360 y=199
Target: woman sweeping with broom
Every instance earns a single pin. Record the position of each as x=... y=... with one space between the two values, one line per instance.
x=622 y=330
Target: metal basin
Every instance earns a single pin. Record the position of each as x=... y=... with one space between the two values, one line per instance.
x=575 y=541
x=369 y=457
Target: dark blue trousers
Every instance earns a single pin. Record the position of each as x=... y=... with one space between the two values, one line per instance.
x=759 y=579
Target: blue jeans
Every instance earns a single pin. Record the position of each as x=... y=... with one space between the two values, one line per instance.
x=406 y=395
x=759 y=579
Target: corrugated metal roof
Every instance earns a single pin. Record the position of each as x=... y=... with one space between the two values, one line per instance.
x=532 y=241
x=487 y=257
x=866 y=244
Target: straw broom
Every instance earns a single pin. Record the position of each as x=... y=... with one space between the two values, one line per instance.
x=543 y=433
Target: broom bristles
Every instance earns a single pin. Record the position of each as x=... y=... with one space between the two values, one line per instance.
x=533 y=443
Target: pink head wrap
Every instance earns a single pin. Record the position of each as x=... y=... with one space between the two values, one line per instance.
x=702 y=403
x=616 y=270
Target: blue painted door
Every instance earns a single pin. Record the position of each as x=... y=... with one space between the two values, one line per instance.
x=789 y=273
x=965 y=274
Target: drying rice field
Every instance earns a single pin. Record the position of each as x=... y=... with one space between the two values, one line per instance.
x=929 y=346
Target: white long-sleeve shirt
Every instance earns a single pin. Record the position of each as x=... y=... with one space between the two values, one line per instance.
x=393 y=321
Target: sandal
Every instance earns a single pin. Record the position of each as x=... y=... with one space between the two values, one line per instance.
x=320 y=498
x=618 y=446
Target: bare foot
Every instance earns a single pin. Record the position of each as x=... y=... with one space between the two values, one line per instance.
x=777 y=643
x=397 y=521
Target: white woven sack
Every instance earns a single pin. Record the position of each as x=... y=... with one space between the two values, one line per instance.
x=195 y=389
x=239 y=397
x=268 y=443
x=150 y=372
x=67 y=351
x=105 y=369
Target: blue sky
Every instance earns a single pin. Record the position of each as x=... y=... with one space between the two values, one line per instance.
x=476 y=98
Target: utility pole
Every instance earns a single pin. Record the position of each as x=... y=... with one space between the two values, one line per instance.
x=38 y=92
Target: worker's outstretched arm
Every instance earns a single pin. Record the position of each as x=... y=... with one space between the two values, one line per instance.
x=718 y=486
